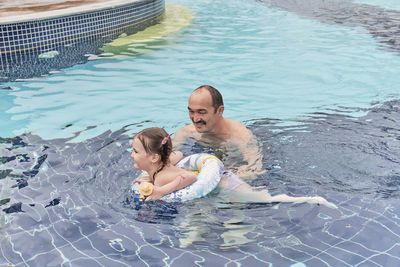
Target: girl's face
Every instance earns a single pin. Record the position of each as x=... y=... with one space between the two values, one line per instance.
x=142 y=160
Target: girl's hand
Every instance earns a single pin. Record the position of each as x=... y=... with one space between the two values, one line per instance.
x=156 y=194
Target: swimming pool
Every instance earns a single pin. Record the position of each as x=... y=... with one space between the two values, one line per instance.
x=320 y=94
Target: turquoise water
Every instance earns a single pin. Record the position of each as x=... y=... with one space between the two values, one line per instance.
x=267 y=63
x=389 y=4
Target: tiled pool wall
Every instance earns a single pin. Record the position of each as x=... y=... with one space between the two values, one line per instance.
x=24 y=44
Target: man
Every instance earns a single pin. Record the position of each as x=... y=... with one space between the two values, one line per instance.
x=206 y=109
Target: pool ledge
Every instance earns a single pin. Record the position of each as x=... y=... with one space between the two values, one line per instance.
x=83 y=8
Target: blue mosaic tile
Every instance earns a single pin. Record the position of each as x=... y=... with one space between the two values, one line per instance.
x=22 y=42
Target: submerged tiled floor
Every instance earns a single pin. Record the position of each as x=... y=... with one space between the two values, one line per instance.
x=72 y=208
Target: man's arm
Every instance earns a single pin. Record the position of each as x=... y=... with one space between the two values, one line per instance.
x=250 y=149
x=252 y=154
x=175 y=157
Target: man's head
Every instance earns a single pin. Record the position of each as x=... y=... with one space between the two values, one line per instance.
x=205 y=108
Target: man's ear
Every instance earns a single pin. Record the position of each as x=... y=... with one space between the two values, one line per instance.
x=220 y=110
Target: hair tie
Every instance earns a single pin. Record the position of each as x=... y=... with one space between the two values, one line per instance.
x=165 y=140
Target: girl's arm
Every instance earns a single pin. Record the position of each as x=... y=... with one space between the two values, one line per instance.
x=181 y=181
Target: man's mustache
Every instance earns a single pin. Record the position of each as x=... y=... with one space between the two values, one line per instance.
x=200 y=121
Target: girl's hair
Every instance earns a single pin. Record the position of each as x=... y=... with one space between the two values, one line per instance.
x=157 y=141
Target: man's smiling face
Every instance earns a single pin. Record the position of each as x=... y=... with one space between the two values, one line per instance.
x=201 y=111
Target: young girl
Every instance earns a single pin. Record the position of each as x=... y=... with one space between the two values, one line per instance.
x=152 y=153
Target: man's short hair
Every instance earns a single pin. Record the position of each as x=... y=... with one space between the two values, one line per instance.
x=216 y=96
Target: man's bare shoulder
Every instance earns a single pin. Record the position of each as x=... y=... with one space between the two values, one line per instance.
x=182 y=134
x=238 y=130
x=187 y=130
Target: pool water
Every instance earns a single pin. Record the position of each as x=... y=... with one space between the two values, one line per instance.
x=267 y=63
x=387 y=4
x=321 y=94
